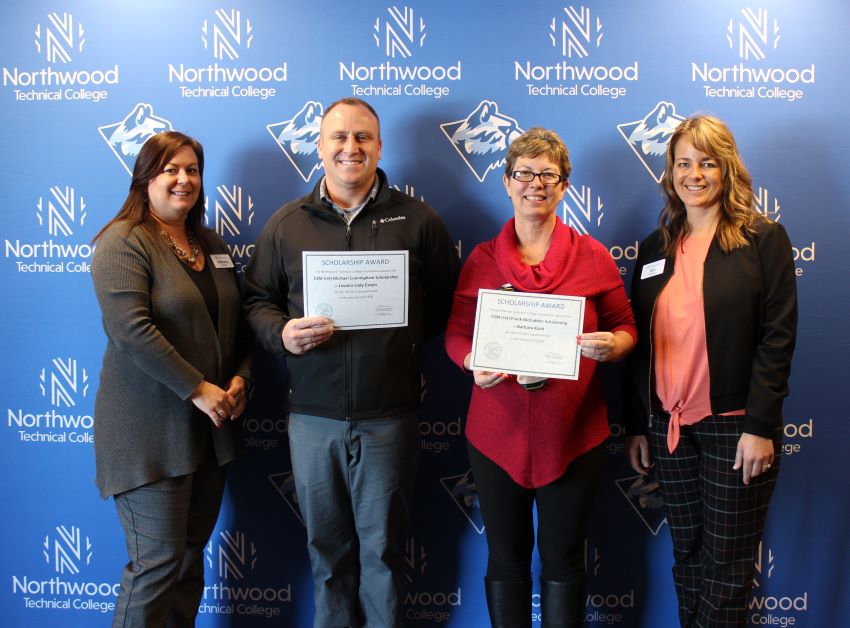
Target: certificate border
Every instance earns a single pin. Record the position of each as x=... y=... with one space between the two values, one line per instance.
x=306 y=255
x=477 y=364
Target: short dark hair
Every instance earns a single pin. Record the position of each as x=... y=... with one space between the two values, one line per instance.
x=356 y=102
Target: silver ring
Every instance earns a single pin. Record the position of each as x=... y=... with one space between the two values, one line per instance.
x=220 y=412
x=765 y=467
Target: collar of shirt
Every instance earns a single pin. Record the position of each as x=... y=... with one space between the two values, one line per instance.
x=348 y=214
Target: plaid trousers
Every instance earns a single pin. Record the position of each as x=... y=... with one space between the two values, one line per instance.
x=715 y=520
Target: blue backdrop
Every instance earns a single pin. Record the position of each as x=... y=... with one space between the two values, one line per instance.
x=85 y=82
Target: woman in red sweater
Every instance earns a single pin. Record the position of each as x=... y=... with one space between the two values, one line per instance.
x=539 y=441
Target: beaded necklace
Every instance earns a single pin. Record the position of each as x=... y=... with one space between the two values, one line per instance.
x=187 y=258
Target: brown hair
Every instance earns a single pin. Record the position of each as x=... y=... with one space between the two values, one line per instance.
x=738 y=215
x=539 y=141
x=356 y=102
x=155 y=153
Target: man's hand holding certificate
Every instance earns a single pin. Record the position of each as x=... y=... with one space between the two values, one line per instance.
x=527 y=334
x=357 y=289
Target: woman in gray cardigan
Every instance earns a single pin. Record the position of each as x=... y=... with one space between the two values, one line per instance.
x=174 y=378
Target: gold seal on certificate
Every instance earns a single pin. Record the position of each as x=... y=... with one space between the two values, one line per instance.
x=527 y=334
x=357 y=289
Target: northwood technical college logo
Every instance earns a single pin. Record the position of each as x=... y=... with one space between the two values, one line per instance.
x=227 y=34
x=233 y=209
x=767 y=205
x=67 y=550
x=61 y=210
x=582 y=210
x=232 y=554
x=754 y=35
x=59 y=38
x=577 y=33
x=416 y=559
x=399 y=34
x=64 y=382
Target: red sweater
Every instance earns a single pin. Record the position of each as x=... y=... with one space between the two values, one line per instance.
x=534 y=435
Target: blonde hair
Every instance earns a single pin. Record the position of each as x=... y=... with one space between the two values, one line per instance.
x=738 y=215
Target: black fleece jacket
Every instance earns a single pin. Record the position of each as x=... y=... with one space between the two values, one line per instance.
x=357 y=374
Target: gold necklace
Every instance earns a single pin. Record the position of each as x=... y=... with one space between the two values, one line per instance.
x=187 y=258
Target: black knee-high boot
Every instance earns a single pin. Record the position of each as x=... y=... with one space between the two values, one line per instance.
x=562 y=603
x=509 y=603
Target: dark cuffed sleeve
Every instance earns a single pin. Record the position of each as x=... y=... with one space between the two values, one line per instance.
x=772 y=359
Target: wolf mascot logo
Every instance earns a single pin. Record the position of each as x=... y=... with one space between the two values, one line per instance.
x=644 y=497
x=461 y=488
x=482 y=138
x=298 y=137
x=284 y=484
x=125 y=138
x=648 y=138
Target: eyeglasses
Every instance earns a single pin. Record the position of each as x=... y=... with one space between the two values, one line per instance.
x=546 y=178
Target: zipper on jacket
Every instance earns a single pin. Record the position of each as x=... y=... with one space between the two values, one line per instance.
x=347 y=368
x=373 y=235
x=347 y=378
x=346 y=350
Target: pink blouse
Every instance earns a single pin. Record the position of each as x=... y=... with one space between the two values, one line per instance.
x=682 y=380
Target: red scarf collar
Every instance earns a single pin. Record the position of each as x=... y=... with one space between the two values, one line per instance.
x=548 y=274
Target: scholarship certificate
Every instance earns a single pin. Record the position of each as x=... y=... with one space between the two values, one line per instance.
x=527 y=334
x=356 y=289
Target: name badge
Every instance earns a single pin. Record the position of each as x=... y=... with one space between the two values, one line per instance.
x=652 y=269
x=222 y=260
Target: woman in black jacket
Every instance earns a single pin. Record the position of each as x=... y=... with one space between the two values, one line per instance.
x=715 y=301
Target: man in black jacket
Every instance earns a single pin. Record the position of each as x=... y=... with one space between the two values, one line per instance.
x=353 y=393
